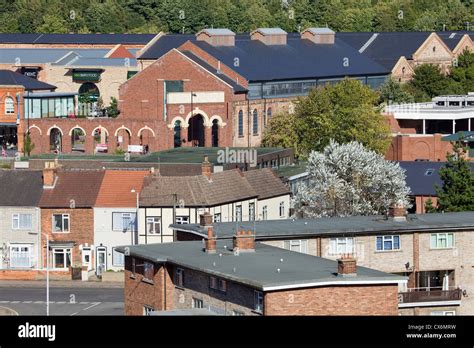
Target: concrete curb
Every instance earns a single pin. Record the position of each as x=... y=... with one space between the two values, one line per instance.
x=7 y=311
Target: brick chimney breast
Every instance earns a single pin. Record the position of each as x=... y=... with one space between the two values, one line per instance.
x=206 y=168
x=49 y=174
x=244 y=241
x=346 y=266
x=210 y=241
x=397 y=212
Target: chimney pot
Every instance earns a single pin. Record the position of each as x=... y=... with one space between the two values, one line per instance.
x=205 y=219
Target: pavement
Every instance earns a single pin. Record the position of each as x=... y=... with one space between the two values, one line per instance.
x=65 y=298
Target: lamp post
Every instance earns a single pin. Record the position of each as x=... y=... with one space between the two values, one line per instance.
x=47 y=273
x=136 y=216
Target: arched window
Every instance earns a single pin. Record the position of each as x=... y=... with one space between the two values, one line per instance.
x=9 y=105
x=403 y=70
x=434 y=48
x=255 y=122
x=269 y=114
x=241 y=123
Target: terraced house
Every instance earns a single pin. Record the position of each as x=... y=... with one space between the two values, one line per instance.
x=433 y=250
x=20 y=222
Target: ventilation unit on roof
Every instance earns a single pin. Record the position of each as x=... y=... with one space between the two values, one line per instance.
x=269 y=36
x=217 y=37
x=319 y=35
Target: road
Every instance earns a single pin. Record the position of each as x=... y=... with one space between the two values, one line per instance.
x=63 y=300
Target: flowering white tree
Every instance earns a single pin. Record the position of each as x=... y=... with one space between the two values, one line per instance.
x=349 y=179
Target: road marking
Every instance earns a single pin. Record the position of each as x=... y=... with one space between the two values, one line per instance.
x=27 y=301
x=92 y=305
x=15 y=302
x=39 y=301
x=4 y=301
x=84 y=302
x=61 y=302
x=74 y=313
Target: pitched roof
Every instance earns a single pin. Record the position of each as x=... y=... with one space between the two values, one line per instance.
x=338 y=226
x=217 y=31
x=45 y=55
x=268 y=268
x=298 y=59
x=422 y=176
x=20 y=188
x=91 y=39
x=80 y=187
x=11 y=78
x=266 y=183
x=196 y=191
x=115 y=190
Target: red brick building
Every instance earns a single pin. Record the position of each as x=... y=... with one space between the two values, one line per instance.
x=241 y=277
x=67 y=217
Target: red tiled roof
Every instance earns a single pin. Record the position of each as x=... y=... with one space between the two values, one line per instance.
x=78 y=187
x=116 y=186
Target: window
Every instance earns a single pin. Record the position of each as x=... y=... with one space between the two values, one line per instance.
x=442 y=240
x=147 y=310
x=429 y=172
x=251 y=211
x=22 y=221
x=9 y=105
x=258 y=301
x=86 y=256
x=255 y=122
x=217 y=217
x=269 y=114
x=217 y=284
x=300 y=246
x=118 y=259
x=179 y=277
x=198 y=303
x=148 y=271
x=282 y=209
x=21 y=256
x=182 y=220
x=384 y=243
x=238 y=213
x=343 y=245
x=61 y=223
x=241 y=123
x=61 y=257
x=153 y=225
x=264 y=212
x=123 y=222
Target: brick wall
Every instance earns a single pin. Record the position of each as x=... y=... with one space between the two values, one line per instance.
x=81 y=226
x=334 y=300
x=410 y=148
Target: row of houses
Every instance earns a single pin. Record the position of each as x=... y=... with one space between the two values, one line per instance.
x=365 y=265
x=83 y=215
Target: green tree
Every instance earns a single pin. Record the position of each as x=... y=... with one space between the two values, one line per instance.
x=280 y=132
x=112 y=109
x=53 y=24
x=28 y=146
x=394 y=92
x=429 y=206
x=429 y=80
x=457 y=192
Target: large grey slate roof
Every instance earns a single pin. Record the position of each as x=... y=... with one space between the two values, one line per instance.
x=354 y=225
x=257 y=269
x=44 y=55
x=20 y=188
x=12 y=78
x=38 y=38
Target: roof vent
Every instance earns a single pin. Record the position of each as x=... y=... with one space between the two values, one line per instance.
x=319 y=35
x=269 y=36
x=217 y=37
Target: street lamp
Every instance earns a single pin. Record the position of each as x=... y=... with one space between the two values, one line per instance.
x=47 y=273
x=136 y=216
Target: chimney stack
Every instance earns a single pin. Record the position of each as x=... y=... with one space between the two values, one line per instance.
x=244 y=241
x=217 y=37
x=347 y=266
x=398 y=212
x=49 y=174
x=205 y=220
x=206 y=168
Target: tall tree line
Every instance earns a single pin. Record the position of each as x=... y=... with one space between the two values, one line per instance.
x=189 y=16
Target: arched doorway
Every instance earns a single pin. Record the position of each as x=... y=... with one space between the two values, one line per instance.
x=89 y=95
x=215 y=133
x=177 y=134
x=78 y=139
x=196 y=131
x=147 y=138
x=123 y=139
x=101 y=140
x=55 y=140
